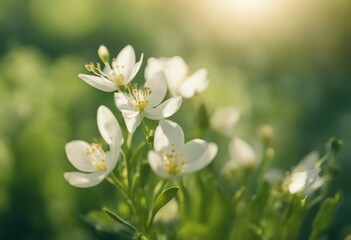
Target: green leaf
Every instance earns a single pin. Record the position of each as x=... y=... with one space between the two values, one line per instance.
x=105 y=226
x=162 y=199
x=121 y=220
x=324 y=216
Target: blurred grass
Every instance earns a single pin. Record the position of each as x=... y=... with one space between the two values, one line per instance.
x=290 y=69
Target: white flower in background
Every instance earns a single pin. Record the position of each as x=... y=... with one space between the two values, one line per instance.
x=300 y=181
x=224 y=119
x=308 y=162
x=176 y=71
x=172 y=158
x=241 y=154
x=111 y=78
x=305 y=176
x=91 y=160
x=137 y=103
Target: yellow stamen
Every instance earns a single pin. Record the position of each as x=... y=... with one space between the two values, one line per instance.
x=138 y=97
x=97 y=156
x=173 y=161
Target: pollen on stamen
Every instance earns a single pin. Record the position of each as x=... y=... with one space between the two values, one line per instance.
x=97 y=156
x=138 y=97
x=173 y=161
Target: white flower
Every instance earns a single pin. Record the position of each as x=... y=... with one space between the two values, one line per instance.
x=176 y=71
x=224 y=119
x=91 y=160
x=305 y=176
x=137 y=103
x=241 y=154
x=301 y=181
x=172 y=158
x=110 y=79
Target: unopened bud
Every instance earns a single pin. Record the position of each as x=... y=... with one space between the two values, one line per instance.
x=266 y=133
x=335 y=144
x=150 y=136
x=103 y=54
x=90 y=67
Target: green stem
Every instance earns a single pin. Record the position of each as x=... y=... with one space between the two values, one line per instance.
x=146 y=133
x=129 y=140
x=185 y=199
x=127 y=168
x=118 y=184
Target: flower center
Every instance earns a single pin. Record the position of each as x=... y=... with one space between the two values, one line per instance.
x=97 y=156
x=173 y=161
x=118 y=74
x=138 y=97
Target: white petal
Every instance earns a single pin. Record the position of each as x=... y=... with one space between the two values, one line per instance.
x=76 y=152
x=308 y=162
x=126 y=60
x=84 y=180
x=203 y=161
x=317 y=183
x=132 y=123
x=156 y=164
x=161 y=140
x=108 y=125
x=100 y=83
x=196 y=83
x=135 y=69
x=112 y=156
x=224 y=120
x=299 y=181
x=153 y=66
x=167 y=133
x=194 y=149
x=158 y=87
x=242 y=152
x=165 y=109
x=176 y=71
x=124 y=105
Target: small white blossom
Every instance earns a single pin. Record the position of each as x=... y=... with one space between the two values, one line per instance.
x=111 y=78
x=91 y=160
x=305 y=178
x=241 y=154
x=176 y=71
x=224 y=119
x=137 y=103
x=172 y=158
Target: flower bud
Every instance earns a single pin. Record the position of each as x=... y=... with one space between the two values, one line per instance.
x=335 y=145
x=103 y=54
x=266 y=133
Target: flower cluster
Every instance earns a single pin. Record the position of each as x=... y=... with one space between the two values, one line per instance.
x=171 y=157
x=248 y=197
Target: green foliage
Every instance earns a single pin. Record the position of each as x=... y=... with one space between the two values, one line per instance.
x=162 y=199
x=292 y=72
x=324 y=216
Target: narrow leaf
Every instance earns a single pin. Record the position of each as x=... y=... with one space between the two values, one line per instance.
x=324 y=216
x=121 y=220
x=162 y=199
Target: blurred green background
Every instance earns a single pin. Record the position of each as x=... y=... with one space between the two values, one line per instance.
x=286 y=63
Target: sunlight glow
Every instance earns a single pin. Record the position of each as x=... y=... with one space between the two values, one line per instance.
x=236 y=17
